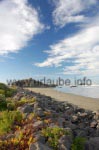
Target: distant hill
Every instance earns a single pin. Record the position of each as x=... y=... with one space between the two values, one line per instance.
x=31 y=83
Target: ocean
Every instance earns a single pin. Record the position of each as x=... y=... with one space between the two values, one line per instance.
x=88 y=91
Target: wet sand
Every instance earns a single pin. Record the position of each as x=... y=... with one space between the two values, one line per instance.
x=81 y=101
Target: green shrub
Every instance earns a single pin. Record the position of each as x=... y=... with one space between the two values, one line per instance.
x=3 y=86
x=9 y=92
x=24 y=101
x=53 y=135
x=7 y=119
x=3 y=103
x=5 y=90
x=11 y=106
x=2 y=92
x=78 y=143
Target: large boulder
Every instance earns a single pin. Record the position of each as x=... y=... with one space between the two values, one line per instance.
x=38 y=146
x=26 y=109
x=92 y=144
x=65 y=142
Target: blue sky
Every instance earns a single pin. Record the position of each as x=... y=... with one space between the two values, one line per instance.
x=49 y=38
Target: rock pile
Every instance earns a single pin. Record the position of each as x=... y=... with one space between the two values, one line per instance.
x=80 y=122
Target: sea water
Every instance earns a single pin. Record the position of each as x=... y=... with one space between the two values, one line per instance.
x=88 y=91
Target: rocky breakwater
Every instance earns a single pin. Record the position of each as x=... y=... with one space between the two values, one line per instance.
x=57 y=125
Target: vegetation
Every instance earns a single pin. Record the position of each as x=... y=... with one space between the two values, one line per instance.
x=24 y=137
x=13 y=122
x=78 y=143
x=4 y=90
x=3 y=103
x=7 y=120
x=13 y=105
x=53 y=135
x=31 y=83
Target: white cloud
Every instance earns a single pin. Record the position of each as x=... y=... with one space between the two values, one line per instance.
x=82 y=50
x=67 y=11
x=19 y=22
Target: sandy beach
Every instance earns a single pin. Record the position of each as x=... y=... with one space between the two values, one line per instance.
x=81 y=101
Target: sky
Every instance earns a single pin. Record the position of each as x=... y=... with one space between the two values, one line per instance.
x=49 y=38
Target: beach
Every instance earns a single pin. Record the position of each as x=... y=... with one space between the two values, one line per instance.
x=81 y=101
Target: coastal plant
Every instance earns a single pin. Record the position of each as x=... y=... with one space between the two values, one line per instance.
x=7 y=120
x=5 y=90
x=53 y=135
x=10 y=92
x=3 y=103
x=78 y=143
x=24 y=101
x=25 y=136
x=11 y=106
x=2 y=92
x=20 y=143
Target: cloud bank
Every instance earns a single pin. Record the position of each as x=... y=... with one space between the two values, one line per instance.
x=71 y=11
x=19 y=22
x=81 y=50
x=79 y=53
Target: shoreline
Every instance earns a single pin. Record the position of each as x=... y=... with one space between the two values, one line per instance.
x=80 y=101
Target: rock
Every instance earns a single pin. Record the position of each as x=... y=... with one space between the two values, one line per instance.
x=97 y=132
x=61 y=122
x=74 y=119
x=96 y=115
x=10 y=136
x=77 y=132
x=89 y=131
x=92 y=144
x=65 y=142
x=81 y=133
x=82 y=125
x=26 y=109
x=40 y=138
x=38 y=146
x=18 y=96
x=36 y=105
x=83 y=115
x=81 y=110
x=93 y=124
x=40 y=112
x=38 y=124
x=69 y=111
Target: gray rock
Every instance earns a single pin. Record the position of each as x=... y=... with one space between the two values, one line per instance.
x=38 y=123
x=97 y=133
x=10 y=136
x=92 y=144
x=74 y=118
x=81 y=133
x=65 y=142
x=61 y=122
x=69 y=111
x=93 y=124
x=38 y=146
x=26 y=109
x=83 y=115
x=36 y=105
x=40 y=112
x=96 y=115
